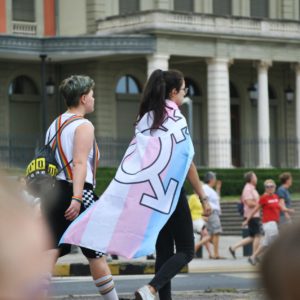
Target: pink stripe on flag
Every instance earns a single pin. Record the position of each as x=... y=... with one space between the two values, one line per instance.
x=134 y=218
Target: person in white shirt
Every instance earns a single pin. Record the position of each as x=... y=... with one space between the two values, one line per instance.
x=212 y=189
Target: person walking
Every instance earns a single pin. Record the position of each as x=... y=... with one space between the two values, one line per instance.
x=212 y=189
x=199 y=222
x=145 y=207
x=271 y=205
x=250 y=199
x=77 y=153
x=283 y=193
x=178 y=231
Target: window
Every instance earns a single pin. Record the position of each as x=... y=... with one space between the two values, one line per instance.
x=259 y=8
x=222 y=7
x=22 y=85
x=127 y=85
x=128 y=6
x=186 y=5
x=23 y=10
x=193 y=89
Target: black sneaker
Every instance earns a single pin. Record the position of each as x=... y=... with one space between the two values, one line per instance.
x=232 y=252
x=150 y=257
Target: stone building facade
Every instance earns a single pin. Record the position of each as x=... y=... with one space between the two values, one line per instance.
x=241 y=61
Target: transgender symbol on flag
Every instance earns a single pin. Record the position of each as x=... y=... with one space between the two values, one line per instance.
x=162 y=197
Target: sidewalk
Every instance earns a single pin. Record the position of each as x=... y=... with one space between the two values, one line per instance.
x=76 y=264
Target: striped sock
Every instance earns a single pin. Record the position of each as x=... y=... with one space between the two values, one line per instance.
x=106 y=287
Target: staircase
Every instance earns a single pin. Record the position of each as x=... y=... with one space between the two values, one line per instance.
x=232 y=221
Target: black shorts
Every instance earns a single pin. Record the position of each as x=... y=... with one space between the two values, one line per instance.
x=254 y=227
x=54 y=207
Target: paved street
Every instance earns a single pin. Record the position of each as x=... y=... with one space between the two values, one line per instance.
x=191 y=283
x=219 y=276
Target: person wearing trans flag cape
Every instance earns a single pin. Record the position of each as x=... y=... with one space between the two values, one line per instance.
x=147 y=188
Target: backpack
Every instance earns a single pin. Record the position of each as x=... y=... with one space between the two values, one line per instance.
x=41 y=172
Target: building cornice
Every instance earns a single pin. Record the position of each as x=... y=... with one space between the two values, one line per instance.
x=160 y=21
x=69 y=48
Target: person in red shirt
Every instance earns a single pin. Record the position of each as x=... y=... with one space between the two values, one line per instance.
x=271 y=206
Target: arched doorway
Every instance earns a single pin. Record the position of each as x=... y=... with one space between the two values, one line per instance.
x=24 y=119
x=235 y=125
x=127 y=92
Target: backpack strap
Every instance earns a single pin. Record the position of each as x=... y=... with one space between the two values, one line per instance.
x=96 y=157
x=57 y=145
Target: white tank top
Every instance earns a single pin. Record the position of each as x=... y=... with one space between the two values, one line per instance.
x=67 y=142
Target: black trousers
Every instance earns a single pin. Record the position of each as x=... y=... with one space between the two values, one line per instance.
x=178 y=231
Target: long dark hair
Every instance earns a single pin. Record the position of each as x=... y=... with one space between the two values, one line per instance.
x=157 y=89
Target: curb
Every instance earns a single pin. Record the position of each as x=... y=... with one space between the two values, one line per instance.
x=122 y=268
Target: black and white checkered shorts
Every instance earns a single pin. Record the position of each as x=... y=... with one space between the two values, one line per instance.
x=88 y=198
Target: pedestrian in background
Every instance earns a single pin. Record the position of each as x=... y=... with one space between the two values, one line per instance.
x=271 y=205
x=250 y=199
x=212 y=189
x=283 y=193
x=199 y=222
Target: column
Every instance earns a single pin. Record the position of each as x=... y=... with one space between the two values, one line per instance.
x=297 y=70
x=157 y=61
x=263 y=117
x=218 y=106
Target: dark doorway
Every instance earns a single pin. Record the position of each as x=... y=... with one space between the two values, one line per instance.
x=235 y=135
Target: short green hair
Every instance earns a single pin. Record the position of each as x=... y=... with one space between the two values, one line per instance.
x=73 y=87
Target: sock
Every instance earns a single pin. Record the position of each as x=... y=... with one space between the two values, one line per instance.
x=106 y=287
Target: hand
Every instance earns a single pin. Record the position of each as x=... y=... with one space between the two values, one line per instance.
x=218 y=186
x=73 y=210
x=206 y=208
x=245 y=223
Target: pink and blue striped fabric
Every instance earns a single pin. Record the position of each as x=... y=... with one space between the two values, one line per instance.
x=127 y=218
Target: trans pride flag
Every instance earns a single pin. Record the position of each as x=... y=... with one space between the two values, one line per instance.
x=128 y=217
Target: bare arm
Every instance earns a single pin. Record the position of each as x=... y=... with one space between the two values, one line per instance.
x=194 y=180
x=286 y=210
x=250 y=203
x=83 y=143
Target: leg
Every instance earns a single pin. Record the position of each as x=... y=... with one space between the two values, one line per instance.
x=215 y=241
x=180 y=227
x=164 y=251
x=101 y=274
x=103 y=278
x=242 y=243
x=256 y=242
x=204 y=241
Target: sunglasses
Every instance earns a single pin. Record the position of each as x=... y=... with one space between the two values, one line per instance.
x=185 y=90
x=269 y=186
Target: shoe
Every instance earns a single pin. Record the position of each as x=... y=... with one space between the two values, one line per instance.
x=150 y=257
x=144 y=293
x=232 y=252
x=252 y=261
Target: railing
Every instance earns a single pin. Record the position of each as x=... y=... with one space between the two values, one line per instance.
x=18 y=151
x=24 y=28
x=200 y=23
